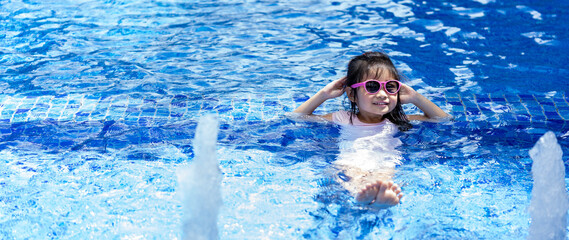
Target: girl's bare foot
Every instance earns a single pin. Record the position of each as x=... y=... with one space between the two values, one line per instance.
x=380 y=194
x=367 y=194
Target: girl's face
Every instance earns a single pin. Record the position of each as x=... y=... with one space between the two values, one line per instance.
x=372 y=107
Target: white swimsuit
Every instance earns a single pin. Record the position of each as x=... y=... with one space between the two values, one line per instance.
x=368 y=146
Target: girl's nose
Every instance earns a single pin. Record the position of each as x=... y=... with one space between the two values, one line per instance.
x=381 y=93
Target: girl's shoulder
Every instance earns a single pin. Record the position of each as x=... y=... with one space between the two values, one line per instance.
x=341 y=117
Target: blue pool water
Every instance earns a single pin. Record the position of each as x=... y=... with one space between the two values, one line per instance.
x=99 y=102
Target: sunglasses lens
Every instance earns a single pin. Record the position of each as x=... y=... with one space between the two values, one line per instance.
x=392 y=86
x=372 y=86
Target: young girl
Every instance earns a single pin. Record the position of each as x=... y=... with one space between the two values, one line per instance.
x=376 y=95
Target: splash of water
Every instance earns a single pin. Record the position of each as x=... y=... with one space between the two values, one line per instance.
x=200 y=183
x=549 y=202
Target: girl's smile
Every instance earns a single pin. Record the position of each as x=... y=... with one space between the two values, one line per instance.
x=381 y=103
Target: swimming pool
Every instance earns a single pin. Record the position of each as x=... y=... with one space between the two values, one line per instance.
x=100 y=100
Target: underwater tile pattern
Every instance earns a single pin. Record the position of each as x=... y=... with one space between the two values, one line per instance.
x=495 y=109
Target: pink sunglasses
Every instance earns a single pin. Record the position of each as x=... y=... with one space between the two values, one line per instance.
x=373 y=86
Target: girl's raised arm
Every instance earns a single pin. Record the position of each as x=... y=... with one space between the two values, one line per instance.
x=332 y=90
x=431 y=112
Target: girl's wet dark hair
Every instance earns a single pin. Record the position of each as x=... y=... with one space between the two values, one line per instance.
x=373 y=65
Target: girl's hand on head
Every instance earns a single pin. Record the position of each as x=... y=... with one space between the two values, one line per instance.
x=335 y=88
x=407 y=94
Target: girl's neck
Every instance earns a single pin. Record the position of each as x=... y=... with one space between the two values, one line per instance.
x=369 y=119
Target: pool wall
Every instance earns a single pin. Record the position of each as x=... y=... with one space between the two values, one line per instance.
x=149 y=110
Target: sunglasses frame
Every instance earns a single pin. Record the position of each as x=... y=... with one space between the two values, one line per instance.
x=381 y=85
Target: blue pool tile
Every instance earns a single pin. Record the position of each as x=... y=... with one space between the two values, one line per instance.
x=535 y=110
x=523 y=117
x=179 y=114
x=179 y=101
x=148 y=112
x=54 y=112
x=455 y=110
x=89 y=104
x=498 y=98
x=239 y=115
x=564 y=114
x=549 y=108
x=469 y=103
x=223 y=108
x=510 y=98
x=19 y=111
x=131 y=121
x=287 y=108
x=519 y=108
x=473 y=110
x=559 y=100
x=114 y=114
x=160 y=121
x=19 y=117
x=540 y=118
x=34 y=116
x=132 y=110
x=132 y=114
x=98 y=114
x=8 y=112
x=560 y=104
x=27 y=103
x=254 y=116
x=555 y=123
x=482 y=98
x=530 y=102
x=255 y=104
x=460 y=118
x=117 y=107
x=135 y=102
x=68 y=112
x=100 y=109
x=268 y=103
x=241 y=104
x=439 y=98
x=194 y=106
x=552 y=116
x=162 y=112
x=451 y=95
x=40 y=107
x=208 y=105
x=148 y=101
x=452 y=98
x=82 y=114
x=74 y=101
x=144 y=121
x=269 y=115
x=525 y=97
x=508 y=117
x=81 y=117
x=225 y=118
